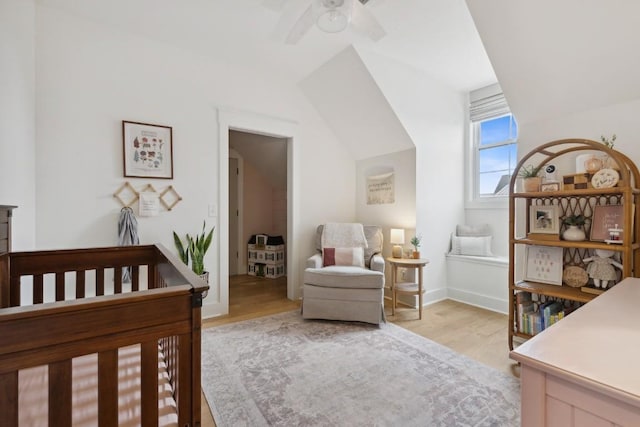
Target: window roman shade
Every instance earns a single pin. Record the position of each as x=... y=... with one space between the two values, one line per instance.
x=487 y=103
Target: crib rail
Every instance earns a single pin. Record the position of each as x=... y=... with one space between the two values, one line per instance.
x=166 y=312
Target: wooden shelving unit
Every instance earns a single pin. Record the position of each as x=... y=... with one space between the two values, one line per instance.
x=573 y=201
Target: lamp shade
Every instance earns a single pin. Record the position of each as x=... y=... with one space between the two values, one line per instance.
x=397 y=236
x=332 y=16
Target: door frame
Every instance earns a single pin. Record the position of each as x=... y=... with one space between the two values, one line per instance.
x=261 y=124
x=240 y=267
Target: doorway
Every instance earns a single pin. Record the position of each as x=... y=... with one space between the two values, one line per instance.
x=257 y=199
x=267 y=126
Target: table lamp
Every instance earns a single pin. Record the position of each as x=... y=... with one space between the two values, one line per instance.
x=397 y=239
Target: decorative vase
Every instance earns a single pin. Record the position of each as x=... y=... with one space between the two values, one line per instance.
x=415 y=254
x=593 y=164
x=574 y=233
x=532 y=184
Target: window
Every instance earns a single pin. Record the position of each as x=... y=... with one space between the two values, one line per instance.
x=494 y=146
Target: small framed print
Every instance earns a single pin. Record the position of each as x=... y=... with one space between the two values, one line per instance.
x=147 y=150
x=605 y=217
x=544 y=219
x=543 y=264
x=550 y=186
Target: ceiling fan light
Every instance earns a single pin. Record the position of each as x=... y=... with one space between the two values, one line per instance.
x=332 y=16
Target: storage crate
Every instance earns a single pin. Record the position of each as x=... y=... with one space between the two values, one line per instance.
x=577 y=181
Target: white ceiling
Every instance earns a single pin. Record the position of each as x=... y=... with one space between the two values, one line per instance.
x=268 y=155
x=345 y=94
x=557 y=57
x=437 y=36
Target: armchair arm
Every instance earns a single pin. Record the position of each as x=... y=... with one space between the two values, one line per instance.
x=314 y=261
x=377 y=263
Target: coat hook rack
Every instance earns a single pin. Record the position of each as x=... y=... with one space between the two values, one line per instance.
x=127 y=195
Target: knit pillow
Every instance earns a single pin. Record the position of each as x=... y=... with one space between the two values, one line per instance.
x=471 y=245
x=343 y=256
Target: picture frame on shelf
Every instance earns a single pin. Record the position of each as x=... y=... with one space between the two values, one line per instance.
x=550 y=186
x=543 y=264
x=544 y=219
x=605 y=217
x=147 y=150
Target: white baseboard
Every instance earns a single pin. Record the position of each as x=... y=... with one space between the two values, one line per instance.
x=478 y=300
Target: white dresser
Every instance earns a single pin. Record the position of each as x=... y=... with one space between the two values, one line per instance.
x=585 y=370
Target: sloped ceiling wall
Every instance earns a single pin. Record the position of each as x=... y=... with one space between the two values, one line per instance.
x=556 y=57
x=351 y=103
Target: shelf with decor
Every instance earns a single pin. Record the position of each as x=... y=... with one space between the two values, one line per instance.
x=571 y=236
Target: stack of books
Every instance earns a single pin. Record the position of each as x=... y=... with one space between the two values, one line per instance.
x=534 y=316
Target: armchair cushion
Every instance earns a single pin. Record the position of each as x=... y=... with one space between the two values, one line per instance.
x=343 y=256
x=338 y=276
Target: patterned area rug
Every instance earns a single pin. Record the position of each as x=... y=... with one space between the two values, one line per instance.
x=285 y=371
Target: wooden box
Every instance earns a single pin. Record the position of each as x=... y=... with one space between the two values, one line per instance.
x=577 y=181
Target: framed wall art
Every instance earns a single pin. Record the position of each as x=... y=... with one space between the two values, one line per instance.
x=544 y=219
x=543 y=264
x=147 y=150
x=604 y=218
x=550 y=186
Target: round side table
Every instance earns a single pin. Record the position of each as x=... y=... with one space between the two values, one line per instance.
x=407 y=288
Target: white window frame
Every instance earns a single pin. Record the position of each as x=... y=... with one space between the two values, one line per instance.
x=486 y=104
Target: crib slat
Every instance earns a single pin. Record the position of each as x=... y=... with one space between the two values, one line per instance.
x=9 y=400
x=135 y=278
x=80 y=279
x=60 y=393
x=38 y=289
x=184 y=379
x=108 y=388
x=151 y=277
x=149 y=383
x=99 y=281
x=117 y=280
x=60 y=282
x=14 y=292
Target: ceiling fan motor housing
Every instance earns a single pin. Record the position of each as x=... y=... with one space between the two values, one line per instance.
x=332 y=16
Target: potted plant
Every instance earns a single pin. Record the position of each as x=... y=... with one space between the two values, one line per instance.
x=415 y=241
x=574 y=231
x=531 y=180
x=195 y=248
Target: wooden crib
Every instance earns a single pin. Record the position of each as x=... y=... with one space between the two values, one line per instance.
x=79 y=305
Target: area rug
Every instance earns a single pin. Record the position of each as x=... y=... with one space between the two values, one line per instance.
x=282 y=370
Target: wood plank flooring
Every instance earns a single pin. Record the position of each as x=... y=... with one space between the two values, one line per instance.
x=477 y=333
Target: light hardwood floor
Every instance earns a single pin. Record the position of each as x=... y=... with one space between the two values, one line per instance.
x=477 y=333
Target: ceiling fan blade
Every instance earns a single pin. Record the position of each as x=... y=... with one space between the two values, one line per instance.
x=276 y=5
x=362 y=20
x=300 y=28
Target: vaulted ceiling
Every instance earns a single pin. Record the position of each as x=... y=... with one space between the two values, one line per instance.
x=557 y=57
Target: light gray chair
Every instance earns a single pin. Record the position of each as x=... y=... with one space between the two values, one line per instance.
x=346 y=292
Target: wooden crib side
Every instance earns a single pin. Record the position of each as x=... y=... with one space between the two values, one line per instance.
x=55 y=332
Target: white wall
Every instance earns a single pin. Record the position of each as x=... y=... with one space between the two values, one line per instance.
x=17 y=117
x=401 y=213
x=621 y=119
x=434 y=117
x=90 y=77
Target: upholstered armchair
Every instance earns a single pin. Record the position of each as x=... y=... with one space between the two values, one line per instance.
x=339 y=285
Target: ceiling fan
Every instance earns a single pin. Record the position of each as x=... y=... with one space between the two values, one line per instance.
x=331 y=16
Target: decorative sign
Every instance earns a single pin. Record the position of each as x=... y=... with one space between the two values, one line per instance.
x=543 y=264
x=149 y=203
x=380 y=189
x=604 y=218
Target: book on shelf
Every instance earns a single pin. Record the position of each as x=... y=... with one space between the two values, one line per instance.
x=592 y=290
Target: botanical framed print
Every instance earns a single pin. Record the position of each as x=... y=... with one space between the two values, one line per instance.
x=543 y=264
x=147 y=150
x=544 y=219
